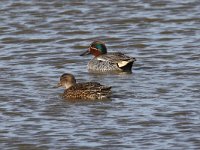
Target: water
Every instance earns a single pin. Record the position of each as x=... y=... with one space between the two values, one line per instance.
x=156 y=107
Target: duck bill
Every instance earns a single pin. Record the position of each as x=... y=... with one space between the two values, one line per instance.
x=85 y=53
x=58 y=85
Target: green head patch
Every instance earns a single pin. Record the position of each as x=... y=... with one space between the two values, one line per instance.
x=100 y=46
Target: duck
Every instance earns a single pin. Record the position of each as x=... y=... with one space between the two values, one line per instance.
x=106 y=62
x=82 y=91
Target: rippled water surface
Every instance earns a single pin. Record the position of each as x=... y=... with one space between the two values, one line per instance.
x=156 y=107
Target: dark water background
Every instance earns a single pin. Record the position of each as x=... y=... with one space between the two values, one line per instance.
x=156 y=107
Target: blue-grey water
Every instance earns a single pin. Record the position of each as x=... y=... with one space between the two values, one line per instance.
x=157 y=107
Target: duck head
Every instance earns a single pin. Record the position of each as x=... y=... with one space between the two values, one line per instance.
x=66 y=80
x=96 y=48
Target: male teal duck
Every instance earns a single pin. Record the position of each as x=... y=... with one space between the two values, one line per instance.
x=103 y=61
x=83 y=91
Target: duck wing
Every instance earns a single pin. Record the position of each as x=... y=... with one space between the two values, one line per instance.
x=117 y=58
x=88 y=90
x=92 y=86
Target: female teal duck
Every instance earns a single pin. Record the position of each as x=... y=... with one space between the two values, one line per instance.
x=83 y=91
x=104 y=61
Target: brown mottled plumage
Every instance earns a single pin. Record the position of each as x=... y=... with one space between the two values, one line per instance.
x=85 y=91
